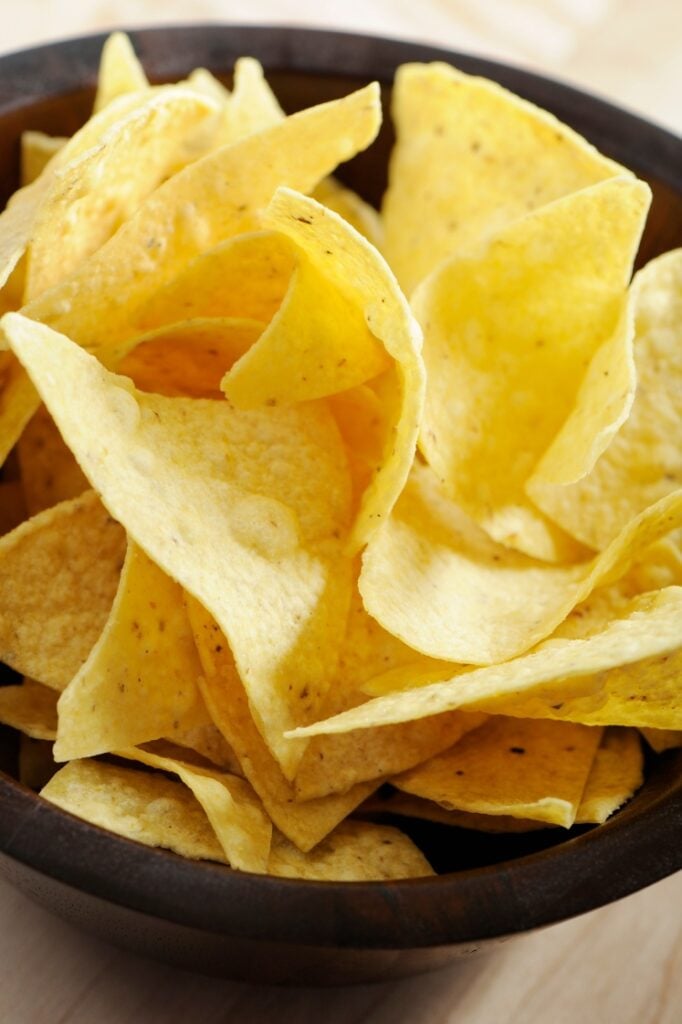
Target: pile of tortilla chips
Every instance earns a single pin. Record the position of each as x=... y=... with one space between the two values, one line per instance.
x=301 y=500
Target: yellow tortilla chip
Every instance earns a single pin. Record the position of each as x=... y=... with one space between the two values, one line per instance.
x=49 y=472
x=58 y=576
x=139 y=682
x=205 y=742
x=245 y=276
x=147 y=808
x=407 y=806
x=625 y=674
x=354 y=210
x=37 y=149
x=617 y=773
x=559 y=278
x=246 y=510
x=359 y=273
x=30 y=708
x=643 y=462
x=356 y=851
x=433 y=578
x=189 y=358
x=662 y=739
x=236 y=814
x=471 y=158
x=87 y=199
x=250 y=107
x=120 y=72
x=524 y=769
x=305 y=823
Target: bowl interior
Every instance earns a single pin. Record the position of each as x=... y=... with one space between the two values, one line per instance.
x=52 y=90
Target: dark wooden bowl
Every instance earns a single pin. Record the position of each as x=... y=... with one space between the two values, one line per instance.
x=206 y=917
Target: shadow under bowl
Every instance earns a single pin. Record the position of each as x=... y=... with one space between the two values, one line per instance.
x=206 y=917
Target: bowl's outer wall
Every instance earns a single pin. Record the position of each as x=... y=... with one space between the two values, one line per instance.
x=207 y=917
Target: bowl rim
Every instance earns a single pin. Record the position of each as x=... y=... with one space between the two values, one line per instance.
x=580 y=874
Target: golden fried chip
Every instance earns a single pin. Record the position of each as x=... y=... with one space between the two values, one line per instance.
x=360 y=274
x=37 y=149
x=559 y=279
x=137 y=805
x=305 y=823
x=241 y=825
x=354 y=210
x=437 y=581
x=471 y=158
x=407 y=806
x=662 y=739
x=250 y=107
x=625 y=674
x=49 y=472
x=120 y=72
x=30 y=708
x=139 y=682
x=92 y=195
x=58 y=576
x=617 y=773
x=189 y=358
x=246 y=510
x=511 y=766
x=356 y=851
x=245 y=276
x=643 y=462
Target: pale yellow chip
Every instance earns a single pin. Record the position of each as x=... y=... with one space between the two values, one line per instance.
x=559 y=280
x=511 y=766
x=625 y=674
x=245 y=276
x=30 y=708
x=236 y=814
x=356 y=851
x=147 y=808
x=349 y=205
x=617 y=773
x=37 y=149
x=305 y=823
x=361 y=275
x=90 y=196
x=246 y=510
x=120 y=72
x=212 y=199
x=643 y=462
x=58 y=577
x=407 y=806
x=139 y=682
x=49 y=472
x=189 y=358
x=471 y=158
x=433 y=578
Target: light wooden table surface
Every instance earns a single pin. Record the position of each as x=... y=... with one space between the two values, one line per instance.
x=620 y=964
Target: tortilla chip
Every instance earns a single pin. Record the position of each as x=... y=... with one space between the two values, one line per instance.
x=559 y=277
x=407 y=806
x=58 y=576
x=189 y=358
x=354 y=210
x=37 y=149
x=626 y=674
x=120 y=72
x=617 y=773
x=245 y=276
x=147 y=808
x=30 y=708
x=139 y=682
x=360 y=274
x=305 y=823
x=662 y=739
x=49 y=472
x=510 y=766
x=250 y=107
x=643 y=462
x=240 y=508
x=471 y=158
x=356 y=851
x=241 y=826
x=434 y=579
